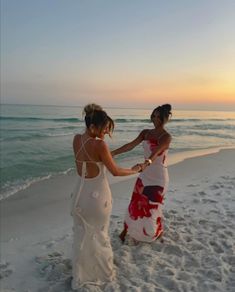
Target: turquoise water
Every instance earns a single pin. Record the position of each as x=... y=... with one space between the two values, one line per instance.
x=36 y=141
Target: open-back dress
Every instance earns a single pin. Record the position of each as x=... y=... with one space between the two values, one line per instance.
x=91 y=208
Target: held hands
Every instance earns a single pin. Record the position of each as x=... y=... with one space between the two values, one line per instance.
x=139 y=167
x=136 y=168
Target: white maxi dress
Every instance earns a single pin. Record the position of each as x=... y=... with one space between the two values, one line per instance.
x=91 y=209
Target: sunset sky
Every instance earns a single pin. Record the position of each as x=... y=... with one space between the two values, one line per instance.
x=125 y=53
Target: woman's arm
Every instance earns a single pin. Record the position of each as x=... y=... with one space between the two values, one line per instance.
x=107 y=159
x=131 y=145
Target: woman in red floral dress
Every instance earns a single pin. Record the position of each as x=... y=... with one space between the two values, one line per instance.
x=143 y=220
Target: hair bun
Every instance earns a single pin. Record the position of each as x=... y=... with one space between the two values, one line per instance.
x=90 y=108
x=166 y=107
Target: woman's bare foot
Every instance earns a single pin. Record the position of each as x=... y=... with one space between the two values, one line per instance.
x=160 y=237
x=122 y=235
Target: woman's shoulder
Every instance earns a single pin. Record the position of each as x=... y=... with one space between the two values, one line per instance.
x=100 y=147
x=144 y=132
x=77 y=136
x=76 y=139
x=99 y=143
x=165 y=136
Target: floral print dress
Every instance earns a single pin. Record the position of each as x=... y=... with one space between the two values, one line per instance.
x=143 y=220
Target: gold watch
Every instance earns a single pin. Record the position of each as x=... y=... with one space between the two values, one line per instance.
x=149 y=161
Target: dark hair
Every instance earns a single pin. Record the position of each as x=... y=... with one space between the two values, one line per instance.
x=164 y=112
x=94 y=114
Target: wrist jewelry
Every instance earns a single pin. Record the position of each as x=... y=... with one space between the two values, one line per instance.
x=149 y=161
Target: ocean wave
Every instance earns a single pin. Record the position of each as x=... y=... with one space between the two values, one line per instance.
x=127 y=130
x=172 y=120
x=41 y=129
x=118 y=120
x=132 y=120
x=23 y=119
x=183 y=134
x=214 y=127
x=200 y=120
x=59 y=134
x=29 y=137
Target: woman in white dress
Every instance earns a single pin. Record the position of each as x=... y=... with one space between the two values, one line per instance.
x=143 y=220
x=92 y=200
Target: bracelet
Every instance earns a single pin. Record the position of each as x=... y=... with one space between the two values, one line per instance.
x=149 y=161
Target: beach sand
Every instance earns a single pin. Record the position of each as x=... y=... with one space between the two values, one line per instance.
x=196 y=252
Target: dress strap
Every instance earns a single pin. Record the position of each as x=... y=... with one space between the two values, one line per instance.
x=82 y=147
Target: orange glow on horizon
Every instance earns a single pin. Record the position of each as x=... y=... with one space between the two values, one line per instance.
x=178 y=92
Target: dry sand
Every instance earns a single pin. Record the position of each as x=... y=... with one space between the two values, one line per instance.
x=196 y=252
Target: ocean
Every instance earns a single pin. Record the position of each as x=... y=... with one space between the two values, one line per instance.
x=36 y=141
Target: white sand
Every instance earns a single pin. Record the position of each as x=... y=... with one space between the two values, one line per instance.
x=196 y=252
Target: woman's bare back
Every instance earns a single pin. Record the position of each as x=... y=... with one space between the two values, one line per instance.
x=86 y=150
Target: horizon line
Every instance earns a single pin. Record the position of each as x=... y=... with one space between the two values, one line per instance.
x=116 y=107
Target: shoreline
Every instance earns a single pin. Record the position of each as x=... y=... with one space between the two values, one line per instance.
x=36 y=233
x=173 y=158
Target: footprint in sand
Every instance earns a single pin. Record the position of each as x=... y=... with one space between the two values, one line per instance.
x=196 y=201
x=230 y=186
x=183 y=276
x=177 y=201
x=114 y=217
x=54 y=267
x=191 y=210
x=208 y=201
x=215 y=187
x=168 y=283
x=196 y=246
x=187 y=238
x=217 y=248
x=192 y=185
x=5 y=270
x=229 y=260
x=190 y=262
x=214 y=275
x=172 y=212
x=172 y=250
x=224 y=177
x=215 y=211
x=230 y=214
x=209 y=261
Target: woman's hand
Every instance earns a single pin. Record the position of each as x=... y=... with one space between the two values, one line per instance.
x=139 y=167
x=144 y=165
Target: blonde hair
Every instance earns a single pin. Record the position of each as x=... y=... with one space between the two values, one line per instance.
x=90 y=108
x=94 y=114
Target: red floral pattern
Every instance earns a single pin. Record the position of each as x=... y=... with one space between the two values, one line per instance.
x=140 y=206
x=144 y=216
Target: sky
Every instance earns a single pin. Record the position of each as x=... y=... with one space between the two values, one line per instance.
x=125 y=53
